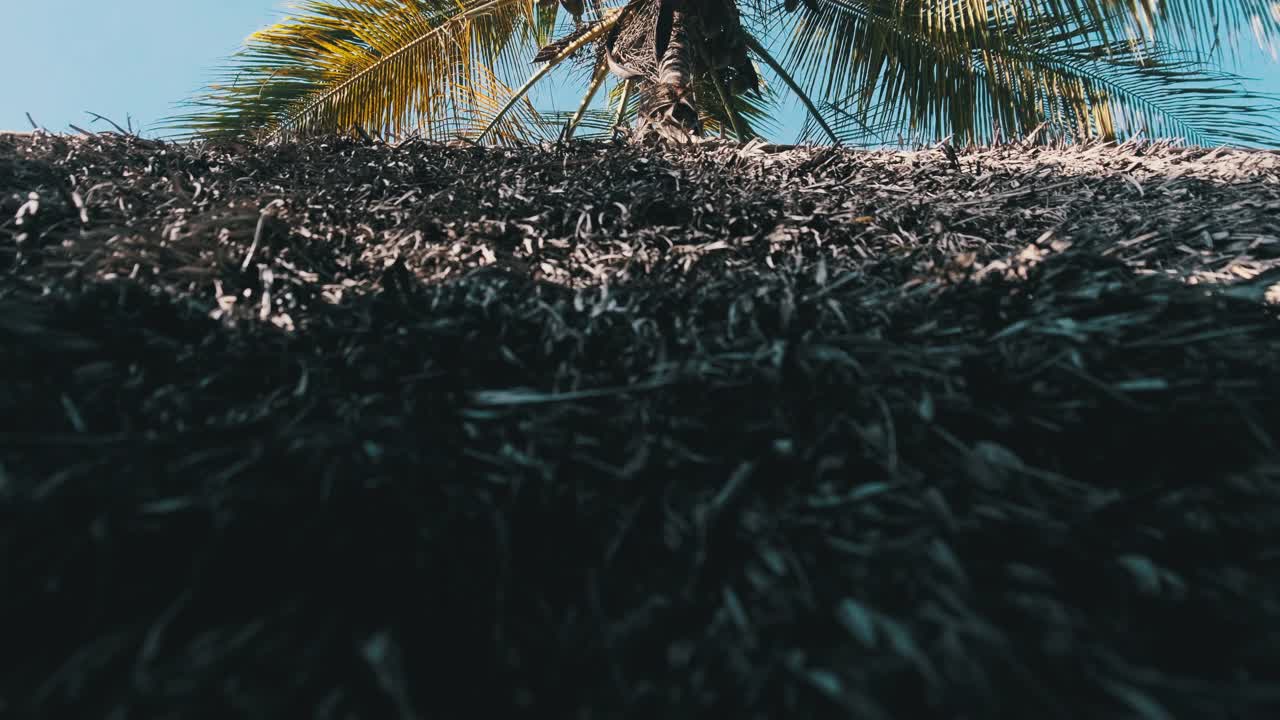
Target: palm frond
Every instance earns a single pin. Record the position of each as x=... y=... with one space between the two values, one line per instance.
x=757 y=112
x=595 y=123
x=624 y=99
x=562 y=52
x=386 y=66
x=759 y=49
x=597 y=79
x=917 y=65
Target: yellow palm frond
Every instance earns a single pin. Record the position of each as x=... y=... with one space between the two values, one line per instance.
x=385 y=66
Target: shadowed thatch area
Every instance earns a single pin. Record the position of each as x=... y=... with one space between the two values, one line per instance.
x=342 y=430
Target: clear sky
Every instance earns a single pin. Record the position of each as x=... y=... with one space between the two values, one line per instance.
x=135 y=58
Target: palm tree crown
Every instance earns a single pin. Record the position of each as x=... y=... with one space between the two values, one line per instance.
x=865 y=70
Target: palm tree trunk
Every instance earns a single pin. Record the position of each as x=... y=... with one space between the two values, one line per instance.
x=668 y=106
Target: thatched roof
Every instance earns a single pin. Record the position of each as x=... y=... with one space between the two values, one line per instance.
x=598 y=431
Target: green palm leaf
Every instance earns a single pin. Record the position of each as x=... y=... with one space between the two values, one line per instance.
x=920 y=68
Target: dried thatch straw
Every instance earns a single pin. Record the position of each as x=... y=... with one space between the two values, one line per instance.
x=600 y=431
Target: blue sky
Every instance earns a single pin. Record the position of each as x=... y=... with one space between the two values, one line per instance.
x=134 y=58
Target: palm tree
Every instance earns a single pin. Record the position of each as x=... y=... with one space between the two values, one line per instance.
x=865 y=70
